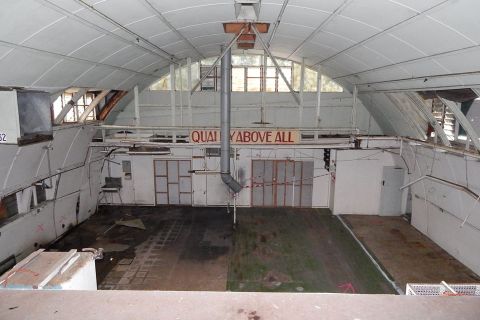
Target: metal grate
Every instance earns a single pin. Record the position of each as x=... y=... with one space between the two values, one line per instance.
x=443 y=289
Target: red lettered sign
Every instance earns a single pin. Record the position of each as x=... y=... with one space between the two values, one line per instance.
x=246 y=136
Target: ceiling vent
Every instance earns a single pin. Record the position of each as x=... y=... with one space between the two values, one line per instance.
x=247 y=10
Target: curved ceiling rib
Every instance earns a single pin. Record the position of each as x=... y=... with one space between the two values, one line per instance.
x=137 y=36
x=379 y=45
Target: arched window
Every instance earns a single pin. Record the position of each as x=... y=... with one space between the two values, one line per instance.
x=248 y=73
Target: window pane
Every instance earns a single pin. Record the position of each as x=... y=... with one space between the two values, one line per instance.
x=162 y=84
x=209 y=61
x=282 y=86
x=71 y=117
x=297 y=71
x=57 y=106
x=88 y=98
x=238 y=79
x=246 y=60
x=254 y=72
x=270 y=83
x=208 y=84
x=253 y=84
x=281 y=62
x=271 y=72
x=328 y=85
x=195 y=73
x=310 y=80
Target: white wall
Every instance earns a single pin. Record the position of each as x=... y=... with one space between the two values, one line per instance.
x=208 y=189
x=76 y=168
x=358 y=180
x=438 y=210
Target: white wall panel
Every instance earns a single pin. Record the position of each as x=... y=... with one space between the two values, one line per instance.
x=19 y=237
x=65 y=213
x=38 y=226
x=358 y=180
x=438 y=210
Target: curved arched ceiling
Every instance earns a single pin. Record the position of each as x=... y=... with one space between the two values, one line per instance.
x=115 y=44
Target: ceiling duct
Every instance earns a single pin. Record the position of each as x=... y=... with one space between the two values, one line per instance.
x=247 y=10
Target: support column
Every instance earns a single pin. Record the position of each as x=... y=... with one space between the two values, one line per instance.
x=172 y=101
x=172 y=94
x=189 y=84
x=264 y=87
x=354 y=108
x=136 y=105
x=319 y=94
x=302 y=88
x=181 y=93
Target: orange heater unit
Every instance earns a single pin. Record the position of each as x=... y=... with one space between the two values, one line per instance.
x=247 y=37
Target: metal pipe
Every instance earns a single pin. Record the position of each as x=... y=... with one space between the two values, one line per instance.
x=225 y=104
x=445 y=182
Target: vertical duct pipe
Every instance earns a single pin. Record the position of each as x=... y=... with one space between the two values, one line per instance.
x=225 y=98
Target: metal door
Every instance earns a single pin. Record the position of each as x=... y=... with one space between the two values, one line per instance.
x=391 y=196
x=282 y=183
x=173 y=182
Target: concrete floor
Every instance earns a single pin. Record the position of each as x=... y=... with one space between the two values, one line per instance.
x=289 y=250
x=127 y=305
x=405 y=253
x=181 y=249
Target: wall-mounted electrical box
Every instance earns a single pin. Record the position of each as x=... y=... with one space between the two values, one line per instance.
x=26 y=117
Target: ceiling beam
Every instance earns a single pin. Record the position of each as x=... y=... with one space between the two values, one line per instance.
x=172 y=28
x=396 y=64
x=264 y=45
x=65 y=57
x=277 y=23
x=425 y=78
x=105 y=32
x=378 y=34
x=321 y=26
x=93 y=104
x=139 y=38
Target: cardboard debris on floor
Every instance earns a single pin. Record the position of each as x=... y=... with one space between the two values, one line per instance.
x=134 y=223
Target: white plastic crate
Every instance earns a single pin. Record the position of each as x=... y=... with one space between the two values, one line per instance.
x=442 y=289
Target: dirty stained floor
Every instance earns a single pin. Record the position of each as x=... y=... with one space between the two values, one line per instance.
x=185 y=248
x=406 y=254
x=180 y=249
